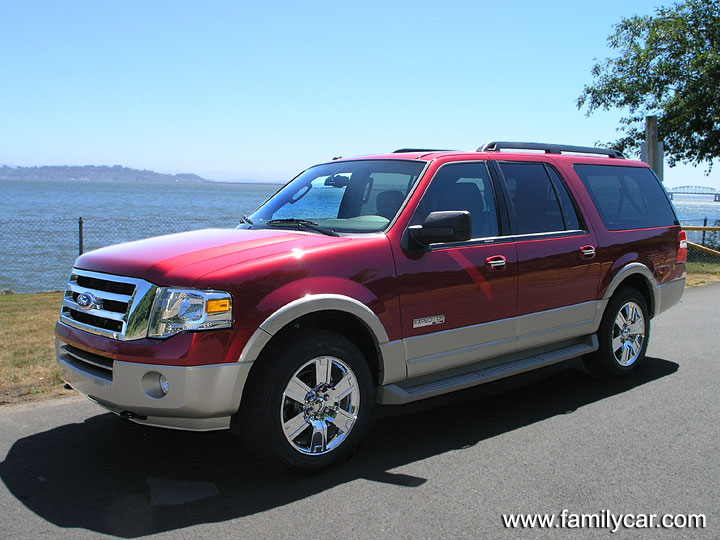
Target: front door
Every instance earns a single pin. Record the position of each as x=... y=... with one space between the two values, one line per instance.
x=458 y=301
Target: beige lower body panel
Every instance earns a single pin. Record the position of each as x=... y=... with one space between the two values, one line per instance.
x=199 y=398
x=484 y=372
x=669 y=294
x=555 y=325
x=448 y=349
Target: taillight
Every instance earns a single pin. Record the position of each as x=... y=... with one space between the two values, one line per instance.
x=682 y=247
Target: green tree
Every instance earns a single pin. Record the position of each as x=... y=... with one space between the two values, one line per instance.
x=668 y=65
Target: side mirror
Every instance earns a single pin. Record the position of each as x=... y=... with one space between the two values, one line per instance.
x=450 y=226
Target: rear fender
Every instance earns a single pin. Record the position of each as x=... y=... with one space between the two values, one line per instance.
x=632 y=269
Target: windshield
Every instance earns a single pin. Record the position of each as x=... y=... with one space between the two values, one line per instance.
x=347 y=196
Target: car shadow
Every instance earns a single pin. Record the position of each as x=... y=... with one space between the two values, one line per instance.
x=122 y=479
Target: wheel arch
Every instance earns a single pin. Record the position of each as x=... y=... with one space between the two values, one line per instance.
x=637 y=276
x=340 y=314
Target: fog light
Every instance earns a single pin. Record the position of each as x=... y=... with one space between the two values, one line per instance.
x=155 y=385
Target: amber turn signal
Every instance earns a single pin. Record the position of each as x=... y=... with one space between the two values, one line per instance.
x=217 y=306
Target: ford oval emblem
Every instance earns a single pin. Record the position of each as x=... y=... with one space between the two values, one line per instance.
x=86 y=300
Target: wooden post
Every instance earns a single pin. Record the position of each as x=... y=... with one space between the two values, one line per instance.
x=81 y=236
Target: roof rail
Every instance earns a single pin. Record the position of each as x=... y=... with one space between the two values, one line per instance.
x=406 y=150
x=496 y=146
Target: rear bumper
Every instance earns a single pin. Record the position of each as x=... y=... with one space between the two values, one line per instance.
x=199 y=398
x=669 y=294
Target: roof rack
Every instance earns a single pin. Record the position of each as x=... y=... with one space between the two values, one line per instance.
x=496 y=146
x=406 y=150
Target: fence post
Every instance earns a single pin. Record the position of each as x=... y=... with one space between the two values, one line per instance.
x=703 y=236
x=81 y=236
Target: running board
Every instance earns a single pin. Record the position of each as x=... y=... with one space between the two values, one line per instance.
x=394 y=394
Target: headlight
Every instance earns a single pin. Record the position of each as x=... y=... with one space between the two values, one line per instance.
x=178 y=310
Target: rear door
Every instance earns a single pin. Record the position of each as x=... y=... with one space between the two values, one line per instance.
x=558 y=273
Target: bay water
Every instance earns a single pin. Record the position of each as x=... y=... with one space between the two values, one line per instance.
x=39 y=219
x=39 y=229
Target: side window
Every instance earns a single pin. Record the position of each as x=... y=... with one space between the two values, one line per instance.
x=533 y=197
x=627 y=197
x=572 y=222
x=462 y=186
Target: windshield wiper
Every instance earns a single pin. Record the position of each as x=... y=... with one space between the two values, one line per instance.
x=303 y=223
x=247 y=220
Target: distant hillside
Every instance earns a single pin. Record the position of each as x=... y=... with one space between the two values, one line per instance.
x=103 y=173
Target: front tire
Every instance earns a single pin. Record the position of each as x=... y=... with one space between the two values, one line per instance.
x=308 y=403
x=623 y=336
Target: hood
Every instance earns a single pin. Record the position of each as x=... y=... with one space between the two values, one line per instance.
x=181 y=259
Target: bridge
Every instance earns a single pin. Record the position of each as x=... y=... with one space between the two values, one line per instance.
x=695 y=190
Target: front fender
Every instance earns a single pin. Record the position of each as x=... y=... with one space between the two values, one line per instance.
x=392 y=358
x=325 y=302
x=303 y=306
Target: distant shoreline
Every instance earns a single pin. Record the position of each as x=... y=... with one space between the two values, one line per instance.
x=123 y=181
x=245 y=181
x=106 y=173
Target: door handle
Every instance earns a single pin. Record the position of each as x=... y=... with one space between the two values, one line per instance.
x=496 y=262
x=588 y=252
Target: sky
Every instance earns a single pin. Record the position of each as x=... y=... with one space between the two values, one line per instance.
x=261 y=90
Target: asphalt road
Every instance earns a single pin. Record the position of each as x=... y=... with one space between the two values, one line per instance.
x=448 y=467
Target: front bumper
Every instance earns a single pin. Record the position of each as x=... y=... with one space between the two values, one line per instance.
x=199 y=398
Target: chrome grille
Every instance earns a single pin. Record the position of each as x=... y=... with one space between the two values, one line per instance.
x=117 y=307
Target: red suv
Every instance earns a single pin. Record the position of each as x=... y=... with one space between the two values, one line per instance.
x=383 y=279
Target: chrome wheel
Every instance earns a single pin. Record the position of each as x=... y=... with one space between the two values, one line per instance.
x=320 y=405
x=628 y=334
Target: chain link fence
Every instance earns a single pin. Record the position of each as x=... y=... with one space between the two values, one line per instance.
x=704 y=245
x=37 y=255
x=706 y=238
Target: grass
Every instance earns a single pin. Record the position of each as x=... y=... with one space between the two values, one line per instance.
x=702 y=273
x=27 y=350
x=703 y=267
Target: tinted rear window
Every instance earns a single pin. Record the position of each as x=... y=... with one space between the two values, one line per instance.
x=627 y=197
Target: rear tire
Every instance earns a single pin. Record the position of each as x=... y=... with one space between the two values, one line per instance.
x=623 y=336
x=308 y=402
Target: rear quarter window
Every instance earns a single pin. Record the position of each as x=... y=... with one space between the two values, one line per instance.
x=627 y=197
